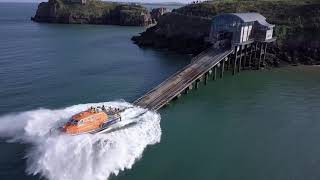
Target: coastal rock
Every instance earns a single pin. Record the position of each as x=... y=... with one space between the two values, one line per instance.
x=46 y=11
x=93 y=12
x=129 y=16
x=177 y=32
x=297 y=28
x=157 y=12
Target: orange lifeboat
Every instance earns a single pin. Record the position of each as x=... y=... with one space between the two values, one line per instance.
x=93 y=120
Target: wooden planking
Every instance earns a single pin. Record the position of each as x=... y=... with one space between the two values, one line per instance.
x=178 y=82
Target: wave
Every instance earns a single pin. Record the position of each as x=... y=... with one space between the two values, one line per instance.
x=82 y=157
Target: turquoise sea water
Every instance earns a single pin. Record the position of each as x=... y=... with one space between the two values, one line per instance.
x=103 y=63
x=256 y=125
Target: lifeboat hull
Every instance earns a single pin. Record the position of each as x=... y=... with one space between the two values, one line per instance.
x=106 y=126
x=94 y=120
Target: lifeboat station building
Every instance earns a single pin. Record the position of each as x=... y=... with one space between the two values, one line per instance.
x=242 y=31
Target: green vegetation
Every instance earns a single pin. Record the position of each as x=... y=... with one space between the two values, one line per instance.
x=93 y=12
x=297 y=27
x=92 y=8
x=291 y=17
x=95 y=8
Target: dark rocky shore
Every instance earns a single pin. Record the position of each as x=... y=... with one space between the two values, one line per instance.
x=95 y=12
x=297 y=28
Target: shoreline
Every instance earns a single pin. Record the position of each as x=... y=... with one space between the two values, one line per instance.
x=99 y=12
x=185 y=29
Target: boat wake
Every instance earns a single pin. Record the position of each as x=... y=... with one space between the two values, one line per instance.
x=82 y=157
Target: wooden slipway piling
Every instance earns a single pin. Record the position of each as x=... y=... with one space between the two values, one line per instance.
x=202 y=65
x=209 y=62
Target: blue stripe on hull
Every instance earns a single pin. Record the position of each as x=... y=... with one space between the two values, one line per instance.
x=109 y=123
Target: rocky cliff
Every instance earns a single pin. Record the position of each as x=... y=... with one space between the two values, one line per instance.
x=177 y=32
x=297 y=27
x=157 y=12
x=93 y=12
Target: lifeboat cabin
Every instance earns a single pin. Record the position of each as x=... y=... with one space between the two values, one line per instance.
x=91 y=120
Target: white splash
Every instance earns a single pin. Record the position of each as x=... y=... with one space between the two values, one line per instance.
x=83 y=157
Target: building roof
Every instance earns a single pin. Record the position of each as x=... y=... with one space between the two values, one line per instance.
x=250 y=17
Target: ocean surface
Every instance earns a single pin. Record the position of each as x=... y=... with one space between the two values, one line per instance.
x=256 y=125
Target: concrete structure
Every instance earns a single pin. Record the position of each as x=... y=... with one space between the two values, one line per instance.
x=83 y=2
x=232 y=29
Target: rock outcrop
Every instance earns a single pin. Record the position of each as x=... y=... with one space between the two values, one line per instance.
x=93 y=12
x=157 y=12
x=177 y=32
x=297 y=28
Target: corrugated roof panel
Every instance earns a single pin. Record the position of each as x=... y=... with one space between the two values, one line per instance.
x=251 y=17
x=265 y=23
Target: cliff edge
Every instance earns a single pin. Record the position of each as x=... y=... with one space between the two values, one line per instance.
x=297 y=27
x=92 y=12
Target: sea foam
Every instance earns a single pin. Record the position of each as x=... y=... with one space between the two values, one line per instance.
x=82 y=157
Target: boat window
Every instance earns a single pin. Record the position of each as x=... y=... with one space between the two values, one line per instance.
x=74 y=122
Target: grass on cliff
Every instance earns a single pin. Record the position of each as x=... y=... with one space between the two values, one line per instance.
x=291 y=17
x=96 y=8
x=91 y=8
